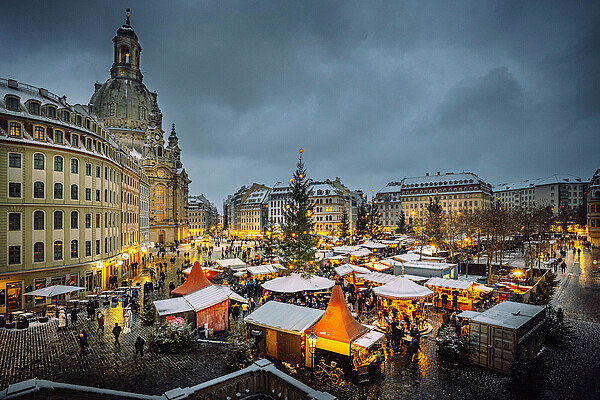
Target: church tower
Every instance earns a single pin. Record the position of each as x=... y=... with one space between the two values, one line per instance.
x=123 y=102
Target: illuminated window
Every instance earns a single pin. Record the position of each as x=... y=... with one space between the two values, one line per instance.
x=38 y=252
x=58 y=250
x=160 y=173
x=39 y=133
x=14 y=129
x=74 y=249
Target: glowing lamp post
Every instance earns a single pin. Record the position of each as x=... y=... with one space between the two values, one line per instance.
x=312 y=347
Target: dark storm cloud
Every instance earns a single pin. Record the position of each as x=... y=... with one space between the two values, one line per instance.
x=373 y=91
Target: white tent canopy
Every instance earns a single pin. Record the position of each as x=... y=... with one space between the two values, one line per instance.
x=346 y=269
x=376 y=277
x=55 y=290
x=233 y=263
x=449 y=283
x=360 y=253
x=296 y=283
x=402 y=288
x=373 y=245
x=264 y=269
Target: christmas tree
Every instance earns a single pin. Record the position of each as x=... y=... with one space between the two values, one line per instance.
x=344 y=226
x=374 y=228
x=297 y=247
x=402 y=227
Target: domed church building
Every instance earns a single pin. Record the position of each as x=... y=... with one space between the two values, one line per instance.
x=131 y=113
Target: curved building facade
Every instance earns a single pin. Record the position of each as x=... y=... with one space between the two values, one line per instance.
x=61 y=195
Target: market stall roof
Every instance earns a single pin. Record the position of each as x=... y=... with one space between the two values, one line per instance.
x=233 y=263
x=378 y=266
x=172 y=306
x=369 y=244
x=211 y=295
x=198 y=300
x=360 y=253
x=368 y=339
x=509 y=314
x=402 y=288
x=346 y=269
x=429 y=265
x=340 y=257
x=468 y=314
x=337 y=323
x=196 y=280
x=404 y=258
x=285 y=317
x=296 y=283
x=54 y=290
x=377 y=277
x=483 y=288
x=345 y=249
x=450 y=283
x=265 y=269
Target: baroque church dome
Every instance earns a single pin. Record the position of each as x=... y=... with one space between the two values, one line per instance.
x=123 y=102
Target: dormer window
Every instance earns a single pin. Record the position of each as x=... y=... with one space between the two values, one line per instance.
x=79 y=120
x=12 y=103
x=75 y=140
x=34 y=108
x=58 y=137
x=87 y=124
x=39 y=133
x=51 y=111
x=14 y=129
x=66 y=116
x=88 y=143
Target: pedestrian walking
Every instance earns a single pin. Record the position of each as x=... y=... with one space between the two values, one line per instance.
x=444 y=300
x=74 y=317
x=83 y=342
x=116 y=333
x=139 y=347
x=100 y=322
x=62 y=320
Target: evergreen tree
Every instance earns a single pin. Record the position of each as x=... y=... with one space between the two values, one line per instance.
x=402 y=227
x=269 y=243
x=148 y=314
x=374 y=228
x=344 y=226
x=434 y=222
x=240 y=352
x=296 y=249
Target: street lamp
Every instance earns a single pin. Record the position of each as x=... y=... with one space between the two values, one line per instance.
x=312 y=347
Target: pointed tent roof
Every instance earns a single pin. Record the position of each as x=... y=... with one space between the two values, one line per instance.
x=337 y=322
x=196 y=280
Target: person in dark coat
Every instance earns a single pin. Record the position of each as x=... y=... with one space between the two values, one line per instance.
x=116 y=332
x=444 y=300
x=74 y=316
x=83 y=342
x=139 y=347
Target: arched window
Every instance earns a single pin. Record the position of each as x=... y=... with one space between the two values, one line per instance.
x=38 y=220
x=38 y=252
x=74 y=192
x=74 y=220
x=74 y=249
x=58 y=250
x=58 y=163
x=125 y=58
x=39 y=161
x=39 y=133
x=58 y=190
x=160 y=203
x=38 y=190
x=58 y=220
x=112 y=109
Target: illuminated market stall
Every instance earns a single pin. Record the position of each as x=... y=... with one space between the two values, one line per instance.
x=404 y=300
x=467 y=292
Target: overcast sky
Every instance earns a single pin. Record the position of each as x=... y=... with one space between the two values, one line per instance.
x=372 y=91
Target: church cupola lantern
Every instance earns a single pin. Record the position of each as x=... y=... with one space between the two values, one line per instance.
x=126 y=53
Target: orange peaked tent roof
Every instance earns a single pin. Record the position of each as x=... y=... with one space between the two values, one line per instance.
x=196 y=280
x=337 y=322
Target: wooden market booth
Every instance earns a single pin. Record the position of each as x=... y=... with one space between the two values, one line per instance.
x=282 y=329
x=199 y=302
x=468 y=292
x=353 y=346
x=406 y=297
x=348 y=272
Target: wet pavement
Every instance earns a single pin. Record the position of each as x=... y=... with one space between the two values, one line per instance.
x=568 y=373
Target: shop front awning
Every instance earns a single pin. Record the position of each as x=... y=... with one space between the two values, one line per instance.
x=368 y=339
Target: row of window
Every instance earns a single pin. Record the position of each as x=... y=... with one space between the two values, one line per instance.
x=14 y=220
x=39 y=163
x=14 y=191
x=14 y=252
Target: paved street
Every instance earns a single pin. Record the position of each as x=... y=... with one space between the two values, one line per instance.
x=42 y=352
